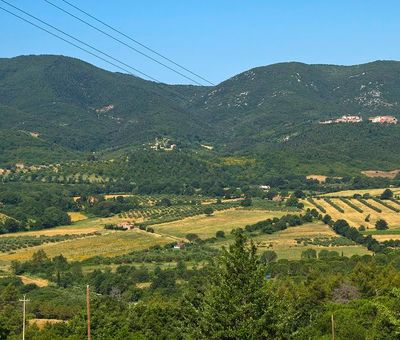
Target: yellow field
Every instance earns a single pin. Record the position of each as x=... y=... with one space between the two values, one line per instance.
x=108 y=244
x=76 y=216
x=319 y=178
x=373 y=192
x=81 y=227
x=386 y=237
x=41 y=323
x=205 y=226
x=285 y=245
x=357 y=219
x=26 y=280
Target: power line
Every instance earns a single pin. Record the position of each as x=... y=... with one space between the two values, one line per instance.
x=137 y=42
x=78 y=40
x=122 y=42
x=86 y=50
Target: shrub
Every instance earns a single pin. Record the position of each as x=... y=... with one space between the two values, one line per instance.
x=381 y=225
x=208 y=211
x=220 y=234
x=309 y=254
x=192 y=237
x=268 y=256
x=387 y=194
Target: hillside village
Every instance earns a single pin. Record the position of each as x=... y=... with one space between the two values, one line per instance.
x=358 y=119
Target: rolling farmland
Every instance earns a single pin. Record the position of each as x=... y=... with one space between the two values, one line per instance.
x=356 y=211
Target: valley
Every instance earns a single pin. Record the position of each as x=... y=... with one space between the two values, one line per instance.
x=282 y=178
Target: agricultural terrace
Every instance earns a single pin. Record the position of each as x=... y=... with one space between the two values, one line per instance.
x=364 y=215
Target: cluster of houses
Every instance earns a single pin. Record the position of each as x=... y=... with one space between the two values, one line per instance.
x=126 y=225
x=359 y=119
x=383 y=119
x=164 y=144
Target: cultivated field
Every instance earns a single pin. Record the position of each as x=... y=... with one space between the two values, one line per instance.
x=356 y=218
x=207 y=226
x=107 y=244
x=379 y=173
x=81 y=227
x=77 y=216
x=285 y=243
x=350 y=193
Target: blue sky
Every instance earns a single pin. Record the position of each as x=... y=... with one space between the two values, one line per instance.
x=218 y=38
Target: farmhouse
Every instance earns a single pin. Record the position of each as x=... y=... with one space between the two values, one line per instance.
x=126 y=225
x=383 y=120
x=179 y=246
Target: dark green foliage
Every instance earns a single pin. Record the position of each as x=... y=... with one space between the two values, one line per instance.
x=351 y=204
x=334 y=205
x=220 y=234
x=309 y=254
x=386 y=204
x=192 y=237
x=387 y=194
x=237 y=284
x=318 y=206
x=343 y=228
x=208 y=211
x=246 y=202
x=324 y=254
x=369 y=205
x=34 y=207
x=69 y=103
x=268 y=256
x=327 y=219
x=381 y=225
x=292 y=202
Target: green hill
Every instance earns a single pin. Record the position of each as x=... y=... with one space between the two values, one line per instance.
x=270 y=113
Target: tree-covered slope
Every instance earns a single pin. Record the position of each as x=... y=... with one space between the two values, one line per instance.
x=79 y=106
x=271 y=112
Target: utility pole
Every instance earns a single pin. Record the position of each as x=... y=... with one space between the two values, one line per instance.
x=88 y=310
x=333 y=327
x=24 y=301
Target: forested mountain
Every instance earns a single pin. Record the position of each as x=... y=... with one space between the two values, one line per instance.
x=67 y=107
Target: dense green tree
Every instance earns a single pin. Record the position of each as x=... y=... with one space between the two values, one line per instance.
x=309 y=254
x=220 y=234
x=208 y=211
x=387 y=194
x=235 y=304
x=381 y=224
x=268 y=256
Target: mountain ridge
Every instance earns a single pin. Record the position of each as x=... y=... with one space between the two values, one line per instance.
x=274 y=108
